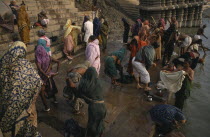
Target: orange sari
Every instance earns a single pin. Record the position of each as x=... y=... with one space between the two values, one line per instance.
x=142 y=44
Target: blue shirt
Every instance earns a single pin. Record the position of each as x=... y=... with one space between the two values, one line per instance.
x=166 y=114
x=43 y=43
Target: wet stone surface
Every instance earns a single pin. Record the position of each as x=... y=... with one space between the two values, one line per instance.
x=127 y=107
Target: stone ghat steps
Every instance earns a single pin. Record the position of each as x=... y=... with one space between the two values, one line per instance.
x=58 y=12
x=131 y=7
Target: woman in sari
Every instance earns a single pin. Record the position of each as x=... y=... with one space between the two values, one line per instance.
x=69 y=43
x=104 y=34
x=159 y=33
x=44 y=65
x=113 y=63
x=126 y=30
x=90 y=90
x=96 y=27
x=19 y=87
x=44 y=41
x=24 y=24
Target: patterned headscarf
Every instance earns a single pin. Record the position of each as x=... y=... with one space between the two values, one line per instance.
x=42 y=58
x=19 y=87
x=18 y=50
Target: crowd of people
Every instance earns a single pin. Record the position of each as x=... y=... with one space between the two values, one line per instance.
x=20 y=83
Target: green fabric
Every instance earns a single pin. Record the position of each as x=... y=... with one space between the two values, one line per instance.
x=120 y=54
x=96 y=116
x=104 y=33
x=149 y=53
x=126 y=79
x=90 y=87
x=146 y=54
x=188 y=86
x=183 y=93
x=110 y=67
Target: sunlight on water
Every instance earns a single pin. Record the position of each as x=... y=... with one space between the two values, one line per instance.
x=197 y=107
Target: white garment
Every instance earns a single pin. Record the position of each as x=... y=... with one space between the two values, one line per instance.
x=194 y=47
x=88 y=27
x=139 y=70
x=172 y=81
x=196 y=37
x=45 y=21
x=187 y=41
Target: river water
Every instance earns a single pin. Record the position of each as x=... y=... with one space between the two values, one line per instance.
x=197 y=107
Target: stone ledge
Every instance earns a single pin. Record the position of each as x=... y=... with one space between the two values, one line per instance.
x=159 y=8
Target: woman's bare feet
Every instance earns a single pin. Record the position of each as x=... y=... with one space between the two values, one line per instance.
x=147 y=88
x=116 y=83
x=139 y=86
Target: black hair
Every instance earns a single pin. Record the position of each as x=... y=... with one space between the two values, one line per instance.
x=92 y=37
x=15 y=37
x=204 y=26
x=73 y=23
x=187 y=60
x=23 y=3
x=155 y=45
x=199 y=41
x=134 y=42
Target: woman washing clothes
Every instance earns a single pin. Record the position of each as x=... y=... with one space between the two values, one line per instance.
x=113 y=63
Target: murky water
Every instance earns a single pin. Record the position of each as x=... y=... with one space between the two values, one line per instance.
x=197 y=107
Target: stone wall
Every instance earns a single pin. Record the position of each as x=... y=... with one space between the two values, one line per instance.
x=187 y=12
x=58 y=12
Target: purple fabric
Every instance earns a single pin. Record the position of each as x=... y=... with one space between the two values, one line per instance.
x=42 y=58
x=163 y=23
x=93 y=54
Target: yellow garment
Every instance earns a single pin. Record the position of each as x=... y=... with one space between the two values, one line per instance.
x=68 y=28
x=75 y=33
x=158 y=50
x=24 y=24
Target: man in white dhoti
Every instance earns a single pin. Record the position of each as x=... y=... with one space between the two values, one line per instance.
x=185 y=42
x=143 y=60
x=88 y=28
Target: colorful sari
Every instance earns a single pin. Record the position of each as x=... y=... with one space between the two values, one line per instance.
x=90 y=90
x=111 y=66
x=24 y=25
x=19 y=87
x=69 y=42
x=158 y=55
x=44 y=60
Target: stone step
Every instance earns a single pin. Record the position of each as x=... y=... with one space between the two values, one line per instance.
x=58 y=12
x=47 y=131
x=131 y=7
